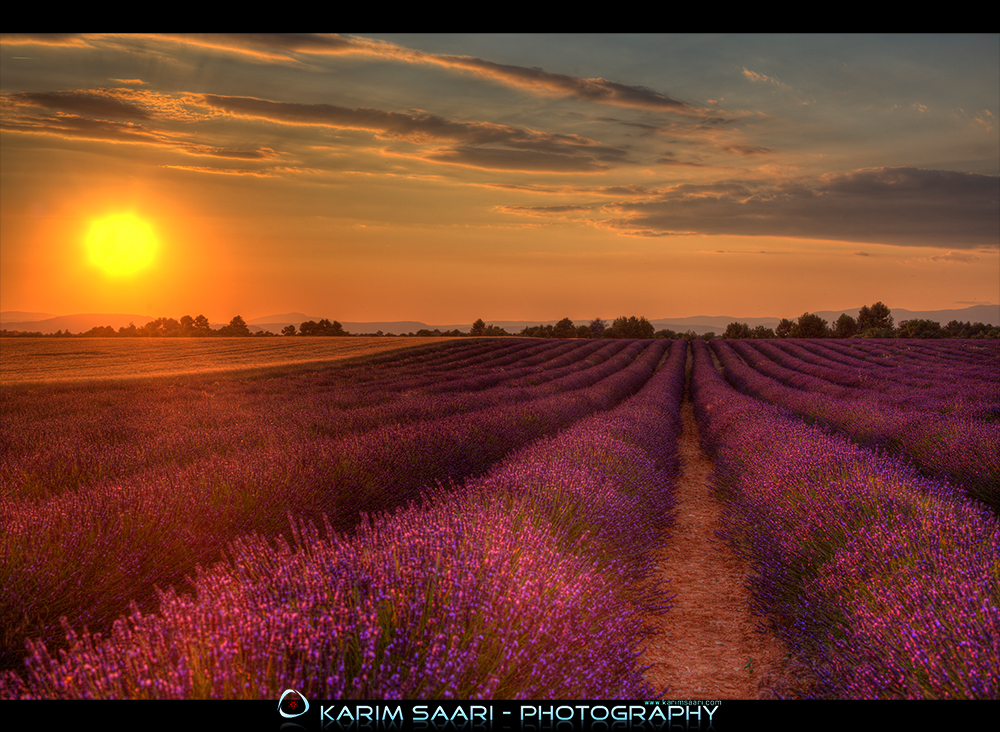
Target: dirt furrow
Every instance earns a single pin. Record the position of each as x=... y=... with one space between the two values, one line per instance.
x=709 y=645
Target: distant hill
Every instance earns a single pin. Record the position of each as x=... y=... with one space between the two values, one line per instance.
x=75 y=323
x=700 y=324
x=21 y=316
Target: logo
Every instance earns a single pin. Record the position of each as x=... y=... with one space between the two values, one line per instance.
x=293 y=707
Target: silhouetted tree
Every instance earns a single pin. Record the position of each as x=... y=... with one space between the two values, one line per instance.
x=921 y=329
x=784 y=329
x=202 y=326
x=288 y=330
x=737 y=330
x=875 y=322
x=537 y=331
x=630 y=327
x=810 y=326
x=237 y=327
x=597 y=327
x=478 y=327
x=845 y=327
x=564 y=329
x=323 y=328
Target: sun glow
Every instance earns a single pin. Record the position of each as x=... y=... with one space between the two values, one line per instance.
x=121 y=244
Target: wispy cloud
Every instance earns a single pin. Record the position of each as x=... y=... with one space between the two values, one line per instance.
x=292 y=47
x=760 y=78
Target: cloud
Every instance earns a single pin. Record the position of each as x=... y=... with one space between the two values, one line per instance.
x=896 y=206
x=520 y=160
x=532 y=79
x=746 y=149
x=760 y=78
x=93 y=103
x=296 y=48
x=960 y=257
x=599 y=91
x=987 y=120
x=481 y=144
x=556 y=211
x=130 y=115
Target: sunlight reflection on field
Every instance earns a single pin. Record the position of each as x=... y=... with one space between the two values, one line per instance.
x=67 y=359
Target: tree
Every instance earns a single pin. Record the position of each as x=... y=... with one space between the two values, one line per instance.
x=323 y=328
x=537 y=331
x=737 y=330
x=874 y=322
x=237 y=327
x=762 y=331
x=597 y=327
x=630 y=327
x=810 y=326
x=784 y=329
x=564 y=329
x=288 y=330
x=845 y=327
x=477 y=328
x=202 y=326
x=921 y=329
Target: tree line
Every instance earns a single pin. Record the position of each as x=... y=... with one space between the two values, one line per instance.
x=186 y=327
x=872 y=322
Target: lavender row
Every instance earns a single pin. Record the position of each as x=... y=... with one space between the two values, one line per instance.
x=803 y=366
x=955 y=448
x=60 y=437
x=531 y=582
x=924 y=378
x=873 y=574
x=926 y=374
x=85 y=554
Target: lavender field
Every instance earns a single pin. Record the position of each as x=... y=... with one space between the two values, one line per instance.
x=477 y=518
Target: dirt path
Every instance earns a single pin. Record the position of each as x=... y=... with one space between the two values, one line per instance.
x=708 y=645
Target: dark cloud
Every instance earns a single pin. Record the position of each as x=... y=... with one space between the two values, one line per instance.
x=600 y=91
x=544 y=210
x=82 y=102
x=74 y=126
x=746 y=149
x=481 y=144
x=521 y=160
x=898 y=206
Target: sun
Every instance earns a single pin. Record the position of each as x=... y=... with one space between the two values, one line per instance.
x=121 y=244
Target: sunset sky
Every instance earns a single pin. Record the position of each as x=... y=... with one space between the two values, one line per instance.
x=444 y=178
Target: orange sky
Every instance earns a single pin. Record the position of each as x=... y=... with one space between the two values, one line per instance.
x=446 y=178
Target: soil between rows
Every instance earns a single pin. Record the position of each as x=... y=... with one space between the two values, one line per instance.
x=709 y=645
